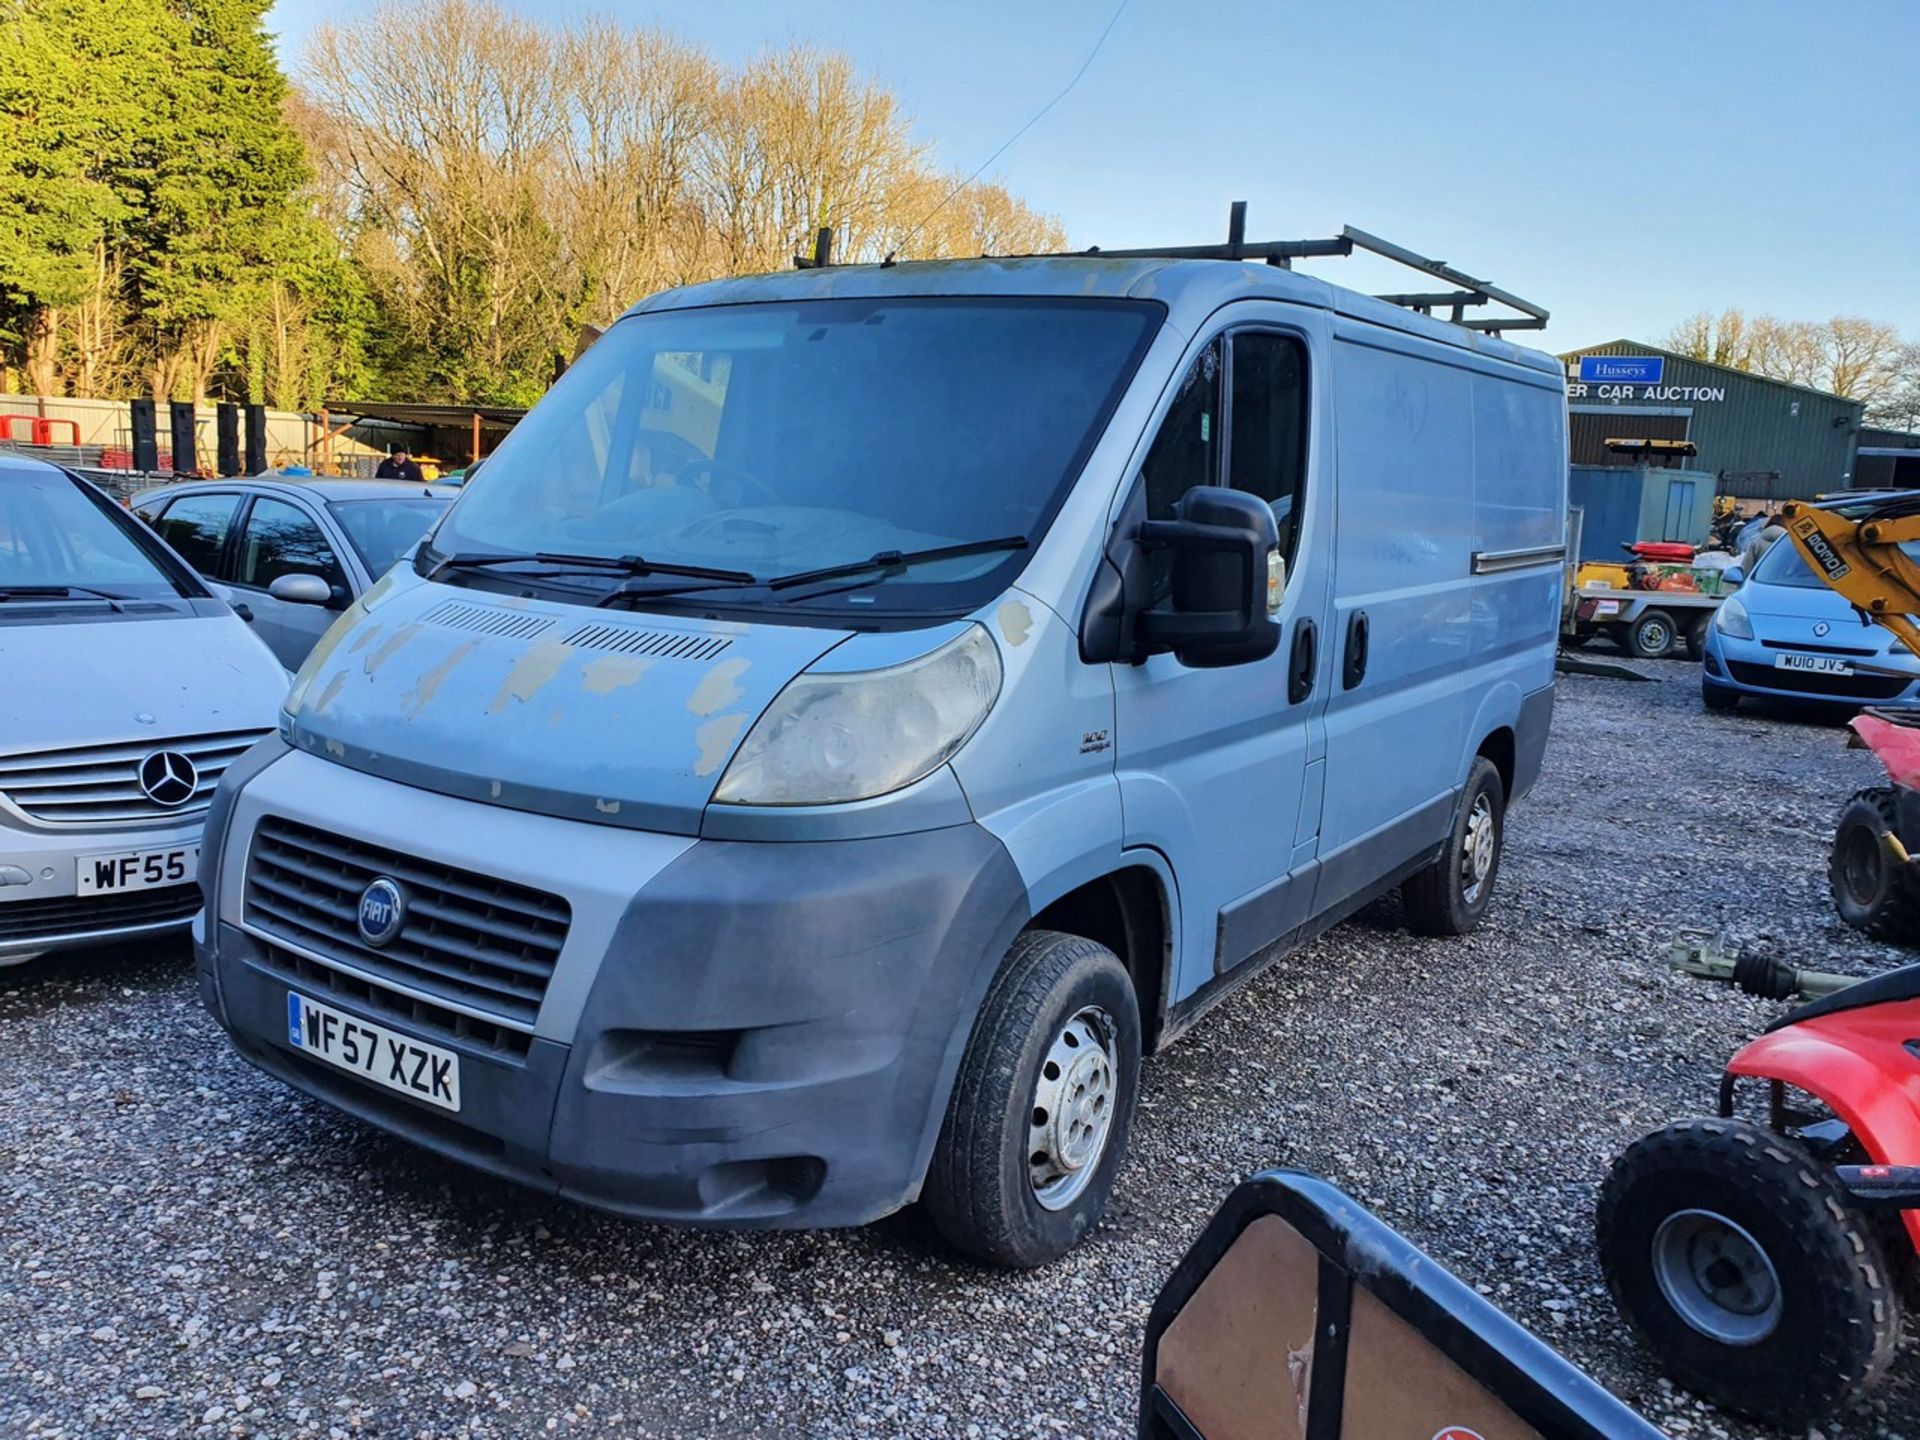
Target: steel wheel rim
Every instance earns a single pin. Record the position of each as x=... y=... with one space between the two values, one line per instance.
x=1479 y=850
x=1071 y=1117
x=1717 y=1277
x=1655 y=636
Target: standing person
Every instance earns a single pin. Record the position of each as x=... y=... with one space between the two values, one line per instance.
x=400 y=466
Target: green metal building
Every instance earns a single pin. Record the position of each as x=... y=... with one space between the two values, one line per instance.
x=1762 y=439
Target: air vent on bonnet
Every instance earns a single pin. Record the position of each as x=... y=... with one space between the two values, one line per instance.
x=625 y=640
x=487 y=620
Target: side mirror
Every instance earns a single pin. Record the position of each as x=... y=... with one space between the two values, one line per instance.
x=1225 y=582
x=1733 y=574
x=301 y=590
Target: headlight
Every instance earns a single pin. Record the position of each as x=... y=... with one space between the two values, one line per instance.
x=829 y=739
x=1732 y=620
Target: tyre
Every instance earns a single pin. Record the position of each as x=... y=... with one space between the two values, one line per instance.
x=1718 y=697
x=1747 y=1277
x=1650 y=635
x=1873 y=892
x=1038 y=1120
x=1450 y=896
x=1696 y=635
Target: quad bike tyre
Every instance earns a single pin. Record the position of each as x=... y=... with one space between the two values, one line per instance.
x=1873 y=892
x=1750 y=1281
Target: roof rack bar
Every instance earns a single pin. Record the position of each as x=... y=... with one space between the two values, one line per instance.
x=1282 y=253
x=1269 y=250
x=1440 y=270
x=1237 y=229
x=1445 y=297
x=822 y=251
x=1494 y=327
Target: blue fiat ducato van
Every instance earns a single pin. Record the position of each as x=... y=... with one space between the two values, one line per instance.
x=860 y=712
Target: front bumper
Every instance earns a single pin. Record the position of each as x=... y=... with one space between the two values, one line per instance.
x=41 y=910
x=756 y=1034
x=1746 y=667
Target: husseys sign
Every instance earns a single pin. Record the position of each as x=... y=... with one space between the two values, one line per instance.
x=1634 y=377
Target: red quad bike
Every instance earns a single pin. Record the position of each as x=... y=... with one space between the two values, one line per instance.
x=1765 y=1266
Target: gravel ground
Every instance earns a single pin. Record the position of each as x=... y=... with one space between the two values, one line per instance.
x=190 y=1249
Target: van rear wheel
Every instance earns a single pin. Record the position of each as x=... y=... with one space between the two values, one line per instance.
x=1451 y=895
x=1038 y=1119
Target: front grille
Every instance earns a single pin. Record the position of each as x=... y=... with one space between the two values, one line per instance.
x=470 y=942
x=96 y=785
x=1831 y=687
x=67 y=915
x=1818 y=649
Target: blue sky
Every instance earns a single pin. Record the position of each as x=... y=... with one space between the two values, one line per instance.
x=1622 y=164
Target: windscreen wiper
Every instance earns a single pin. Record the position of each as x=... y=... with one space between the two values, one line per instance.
x=892 y=562
x=59 y=592
x=631 y=565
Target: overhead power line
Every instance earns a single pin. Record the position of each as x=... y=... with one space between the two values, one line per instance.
x=1008 y=143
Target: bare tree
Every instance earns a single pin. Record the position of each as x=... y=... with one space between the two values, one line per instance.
x=1848 y=356
x=504 y=182
x=1899 y=407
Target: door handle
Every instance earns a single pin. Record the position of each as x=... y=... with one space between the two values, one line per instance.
x=1303 y=661
x=1355 y=669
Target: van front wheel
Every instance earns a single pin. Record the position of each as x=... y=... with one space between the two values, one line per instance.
x=1040 y=1109
x=1450 y=895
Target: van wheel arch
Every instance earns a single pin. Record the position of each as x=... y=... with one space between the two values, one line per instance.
x=1127 y=911
x=1499 y=747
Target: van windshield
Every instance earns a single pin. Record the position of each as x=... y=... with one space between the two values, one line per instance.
x=777 y=439
x=58 y=543
x=384 y=530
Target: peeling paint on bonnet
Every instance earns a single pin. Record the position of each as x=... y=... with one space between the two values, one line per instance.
x=537 y=723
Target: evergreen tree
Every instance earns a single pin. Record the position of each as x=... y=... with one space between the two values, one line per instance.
x=220 y=196
x=74 y=131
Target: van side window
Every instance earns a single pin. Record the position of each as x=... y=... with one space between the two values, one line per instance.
x=1185 y=453
x=1268 y=448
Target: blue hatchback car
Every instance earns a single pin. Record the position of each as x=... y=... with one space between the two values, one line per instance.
x=1786 y=636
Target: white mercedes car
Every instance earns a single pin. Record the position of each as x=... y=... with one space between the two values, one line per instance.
x=126 y=689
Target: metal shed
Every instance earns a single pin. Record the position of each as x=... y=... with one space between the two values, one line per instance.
x=1763 y=439
x=1620 y=504
x=1888 y=460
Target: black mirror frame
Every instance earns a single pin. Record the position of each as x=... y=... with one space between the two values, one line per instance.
x=1121 y=624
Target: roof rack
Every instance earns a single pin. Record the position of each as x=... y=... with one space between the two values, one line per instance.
x=1282 y=253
